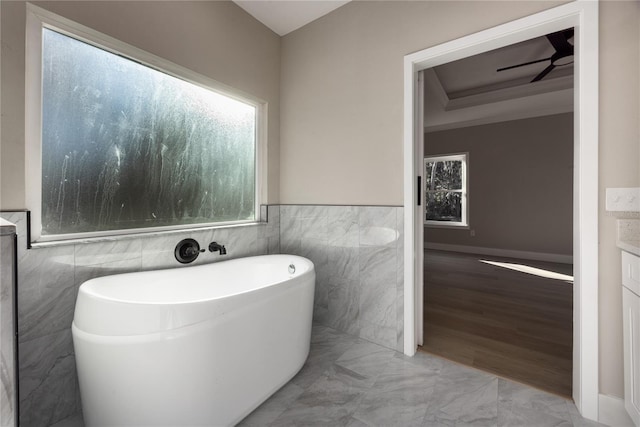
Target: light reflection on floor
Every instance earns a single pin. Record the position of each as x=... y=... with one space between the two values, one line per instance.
x=531 y=270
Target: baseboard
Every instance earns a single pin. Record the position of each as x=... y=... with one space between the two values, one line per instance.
x=611 y=411
x=506 y=253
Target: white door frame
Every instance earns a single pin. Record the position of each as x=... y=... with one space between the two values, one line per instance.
x=583 y=15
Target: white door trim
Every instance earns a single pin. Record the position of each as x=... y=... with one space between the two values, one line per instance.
x=418 y=231
x=583 y=15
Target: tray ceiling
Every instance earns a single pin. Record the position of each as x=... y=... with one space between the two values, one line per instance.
x=471 y=91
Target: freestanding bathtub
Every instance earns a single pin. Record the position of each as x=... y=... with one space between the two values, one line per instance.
x=195 y=346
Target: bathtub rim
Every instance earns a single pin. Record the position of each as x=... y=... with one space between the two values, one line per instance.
x=113 y=318
x=88 y=291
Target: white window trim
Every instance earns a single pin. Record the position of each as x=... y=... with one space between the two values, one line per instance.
x=37 y=19
x=464 y=158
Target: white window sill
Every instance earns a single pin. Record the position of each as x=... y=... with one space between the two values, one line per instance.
x=137 y=235
x=449 y=226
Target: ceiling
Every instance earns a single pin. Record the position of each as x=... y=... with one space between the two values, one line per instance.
x=284 y=16
x=471 y=91
x=477 y=74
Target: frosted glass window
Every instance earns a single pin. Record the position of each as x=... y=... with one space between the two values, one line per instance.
x=445 y=194
x=126 y=146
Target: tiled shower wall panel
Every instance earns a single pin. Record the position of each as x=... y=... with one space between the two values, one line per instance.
x=358 y=255
x=49 y=278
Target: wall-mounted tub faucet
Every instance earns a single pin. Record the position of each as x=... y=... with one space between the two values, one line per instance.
x=214 y=246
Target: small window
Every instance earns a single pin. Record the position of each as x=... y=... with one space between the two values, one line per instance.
x=128 y=146
x=445 y=182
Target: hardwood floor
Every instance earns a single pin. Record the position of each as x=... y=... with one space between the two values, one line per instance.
x=512 y=323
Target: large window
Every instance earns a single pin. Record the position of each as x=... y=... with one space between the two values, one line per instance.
x=445 y=179
x=127 y=146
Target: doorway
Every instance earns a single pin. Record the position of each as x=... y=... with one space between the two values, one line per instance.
x=583 y=16
x=498 y=196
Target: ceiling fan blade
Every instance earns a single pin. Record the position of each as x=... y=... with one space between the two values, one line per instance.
x=543 y=73
x=568 y=33
x=560 y=41
x=523 y=64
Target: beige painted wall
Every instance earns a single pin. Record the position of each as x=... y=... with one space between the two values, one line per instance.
x=520 y=184
x=216 y=39
x=619 y=167
x=341 y=114
x=341 y=98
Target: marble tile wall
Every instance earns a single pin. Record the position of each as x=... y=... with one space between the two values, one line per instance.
x=358 y=254
x=49 y=278
x=7 y=329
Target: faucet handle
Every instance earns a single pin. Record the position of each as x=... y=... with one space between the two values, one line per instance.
x=187 y=251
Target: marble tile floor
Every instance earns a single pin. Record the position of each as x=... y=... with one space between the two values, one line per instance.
x=348 y=381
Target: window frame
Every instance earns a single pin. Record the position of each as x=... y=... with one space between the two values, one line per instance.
x=464 y=158
x=37 y=19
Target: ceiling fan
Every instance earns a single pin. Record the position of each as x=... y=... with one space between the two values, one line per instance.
x=562 y=56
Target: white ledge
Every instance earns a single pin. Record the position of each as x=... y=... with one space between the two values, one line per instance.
x=137 y=235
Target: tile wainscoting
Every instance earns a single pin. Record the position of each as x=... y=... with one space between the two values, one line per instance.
x=7 y=332
x=358 y=254
x=357 y=251
x=49 y=278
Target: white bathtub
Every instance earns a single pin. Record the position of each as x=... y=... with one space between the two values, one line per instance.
x=195 y=346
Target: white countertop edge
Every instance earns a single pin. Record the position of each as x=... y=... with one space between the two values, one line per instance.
x=631 y=246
